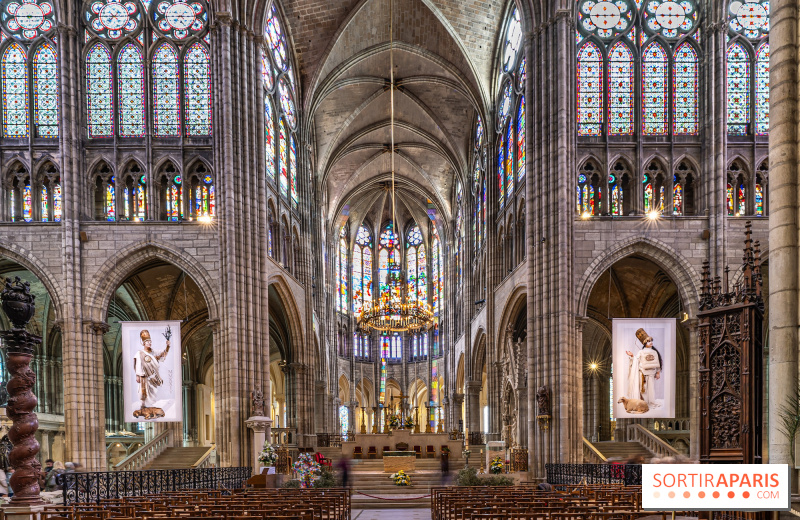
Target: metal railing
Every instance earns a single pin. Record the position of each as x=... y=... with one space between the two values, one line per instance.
x=575 y=474
x=141 y=457
x=651 y=441
x=591 y=453
x=97 y=485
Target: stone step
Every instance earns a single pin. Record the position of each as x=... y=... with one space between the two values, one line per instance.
x=622 y=450
x=177 y=458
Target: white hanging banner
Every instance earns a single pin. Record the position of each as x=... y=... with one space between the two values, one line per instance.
x=151 y=366
x=644 y=357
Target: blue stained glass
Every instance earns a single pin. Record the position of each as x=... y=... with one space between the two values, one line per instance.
x=654 y=90
x=197 y=90
x=293 y=166
x=509 y=164
x=685 y=113
x=590 y=97
x=276 y=40
x=501 y=159
x=166 y=105
x=45 y=91
x=130 y=72
x=282 y=159
x=620 y=79
x=15 y=92
x=738 y=89
x=99 y=92
x=762 y=90
x=521 y=140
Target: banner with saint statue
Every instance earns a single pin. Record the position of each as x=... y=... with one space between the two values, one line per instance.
x=643 y=356
x=151 y=367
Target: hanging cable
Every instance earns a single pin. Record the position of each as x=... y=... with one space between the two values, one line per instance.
x=391 y=96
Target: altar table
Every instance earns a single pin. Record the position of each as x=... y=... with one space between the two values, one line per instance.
x=394 y=461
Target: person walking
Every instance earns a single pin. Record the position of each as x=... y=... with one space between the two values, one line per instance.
x=445 y=468
x=53 y=482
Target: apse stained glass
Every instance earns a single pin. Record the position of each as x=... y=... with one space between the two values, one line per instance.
x=384 y=355
x=287 y=105
x=741 y=206
x=275 y=39
x=284 y=174
x=738 y=89
x=654 y=90
x=362 y=281
x=620 y=95
x=415 y=258
x=139 y=200
x=27 y=204
x=166 y=101
x=649 y=203
x=197 y=91
x=45 y=91
x=513 y=42
x=759 y=200
x=180 y=19
x=388 y=256
x=58 y=209
x=590 y=98
x=685 y=90
x=509 y=164
x=670 y=19
x=111 y=214
x=130 y=84
x=341 y=267
x=269 y=137
x=266 y=72
x=501 y=161
x=437 y=273
x=677 y=199
x=293 y=167
x=521 y=140
x=175 y=199
x=762 y=90
x=15 y=92
x=27 y=19
x=113 y=19
x=45 y=205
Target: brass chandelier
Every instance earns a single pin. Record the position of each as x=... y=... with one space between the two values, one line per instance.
x=394 y=312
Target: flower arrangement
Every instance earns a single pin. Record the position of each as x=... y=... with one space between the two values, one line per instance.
x=400 y=478
x=269 y=454
x=307 y=469
x=496 y=467
x=409 y=422
x=394 y=422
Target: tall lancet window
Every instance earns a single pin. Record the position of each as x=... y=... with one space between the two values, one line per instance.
x=417 y=266
x=388 y=264
x=341 y=271
x=362 y=270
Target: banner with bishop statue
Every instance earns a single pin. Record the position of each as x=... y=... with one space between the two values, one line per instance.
x=151 y=364
x=643 y=356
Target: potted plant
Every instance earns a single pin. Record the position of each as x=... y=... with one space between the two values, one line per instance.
x=394 y=422
x=400 y=478
x=496 y=467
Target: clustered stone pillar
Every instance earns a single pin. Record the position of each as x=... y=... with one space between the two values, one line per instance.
x=18 y=304
x=783 y=220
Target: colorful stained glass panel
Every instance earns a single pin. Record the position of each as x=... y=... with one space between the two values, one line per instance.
x=590 y=97
x=45 y=91
x=654 y=90
x=130 y=86
x=166 y=102
x=738 y=90
x=15 y=92
x=762 y=90
x=685 y=114
x=197 y=90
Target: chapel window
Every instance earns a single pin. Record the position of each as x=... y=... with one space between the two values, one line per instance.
x=747 y=84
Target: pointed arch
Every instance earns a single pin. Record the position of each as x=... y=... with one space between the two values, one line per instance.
x=14 y=74
x=99 y=91
x=620 y=89
x=655 y=68
x=166 y=101
x=590 y=89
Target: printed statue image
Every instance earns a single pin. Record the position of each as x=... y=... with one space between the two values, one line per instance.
x=146 y=365
x=644 y=367
x=151 y=367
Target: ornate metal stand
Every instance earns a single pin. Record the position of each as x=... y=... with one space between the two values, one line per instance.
x=19 y=346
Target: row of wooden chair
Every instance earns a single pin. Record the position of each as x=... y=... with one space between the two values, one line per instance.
x=372 y=451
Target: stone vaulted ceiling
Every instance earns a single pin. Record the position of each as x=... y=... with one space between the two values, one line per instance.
x=443 y=58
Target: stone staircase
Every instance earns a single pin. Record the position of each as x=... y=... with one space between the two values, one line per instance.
x=621 y=450
x=177 y=458
x=368 y=478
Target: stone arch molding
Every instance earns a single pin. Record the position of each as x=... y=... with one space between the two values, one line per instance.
x=296 y=322
x=29 y=261
x=119 y=266
x=672 y=262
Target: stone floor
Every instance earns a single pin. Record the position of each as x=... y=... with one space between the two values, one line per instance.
x=391 y=514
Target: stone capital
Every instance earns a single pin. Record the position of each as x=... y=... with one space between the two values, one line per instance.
x=258 y=424
x=224 y=18
x=97 y=327
x=213 y=324
x=580 y=321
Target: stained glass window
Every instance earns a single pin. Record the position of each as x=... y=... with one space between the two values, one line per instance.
x=284 y=174
x=166 y=106
x=654 y=90
x=605 y=19
x=479 y=134
x=341 y=267
x=174 y=201
x=513 y=41
x=504 y=107
x=110 y=202
x=27 y=203
x=27 y=19
x=620 y=95
x=670 y=19
x=362 y=270
x=15 y=92
x=197 y=90
x=204 y=197
x=361 y=346
x=58 y=209
x=269 y=136
x=344 y=421
x=293 y=166
x=112 y=19
x=749 y=17
x=738 y=89
x=45 y=91
x=509 y=165
x=266 y=72
x=741 y=208
x=99 y=92
x=180 y=19
x=501 y=162
x=590 y=98
x=729 y=199
x=437 y=273
x=685 y=90
x=139 y=200
x=521 y=140
x=762 y=90
x=384 y=356
x=417 y=267
x=287 y=105
x=759 y=200
x=130 y=85
x=649 y=202
x=677 y=199
x=388 y=257
x=275 y=39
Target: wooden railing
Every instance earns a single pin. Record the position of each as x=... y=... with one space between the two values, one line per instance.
x=651 y=441
x=591 y=455
x=208 y=458
x=140 y=458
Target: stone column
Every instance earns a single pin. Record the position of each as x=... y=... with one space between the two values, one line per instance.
x=261 y=431
x=783 y=222
x=473 y=390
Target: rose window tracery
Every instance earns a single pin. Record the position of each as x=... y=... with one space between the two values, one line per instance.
x=179 y=19
x=670 y=19
x=605 y=19
x=750 y=18
x=113 y=19
x=28 y=19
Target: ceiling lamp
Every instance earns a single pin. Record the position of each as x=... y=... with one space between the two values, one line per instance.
x=394 y=312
